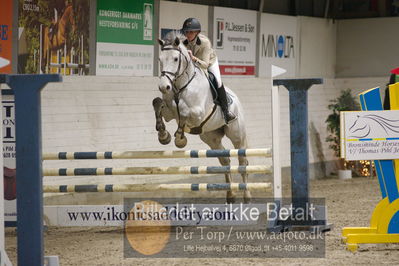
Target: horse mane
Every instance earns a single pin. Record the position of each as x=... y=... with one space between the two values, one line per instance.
x=172 y=35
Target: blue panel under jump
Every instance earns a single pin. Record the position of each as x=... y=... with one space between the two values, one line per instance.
x=298 y=95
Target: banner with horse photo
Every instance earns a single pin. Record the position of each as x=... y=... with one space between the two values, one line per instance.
x=53 y=36
x=5 y=36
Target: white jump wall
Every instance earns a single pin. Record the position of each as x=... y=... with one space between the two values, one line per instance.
x=115 y=114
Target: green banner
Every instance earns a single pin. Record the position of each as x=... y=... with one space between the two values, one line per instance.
x=128 y=22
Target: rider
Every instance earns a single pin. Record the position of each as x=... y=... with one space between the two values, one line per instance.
x=202 y=53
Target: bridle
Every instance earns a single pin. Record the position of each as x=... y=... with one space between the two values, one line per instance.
x=177 y=75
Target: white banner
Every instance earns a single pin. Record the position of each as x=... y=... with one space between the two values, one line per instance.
x=370 y=135
x=278 y=44
x=170 y=213
x=9 y=157
x=115 y=59
x=234 y=39
x=84 y=215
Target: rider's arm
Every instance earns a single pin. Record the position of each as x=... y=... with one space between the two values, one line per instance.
x=203 y=56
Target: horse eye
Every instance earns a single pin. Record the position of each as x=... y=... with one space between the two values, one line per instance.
x=176 y=59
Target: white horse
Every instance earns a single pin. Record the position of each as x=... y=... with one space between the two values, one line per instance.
x=187 y=98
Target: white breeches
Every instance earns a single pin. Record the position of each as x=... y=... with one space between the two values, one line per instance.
x=216 y=71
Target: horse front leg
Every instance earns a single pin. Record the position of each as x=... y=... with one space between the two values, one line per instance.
x=163 y=135
x=183 y=112
x=180 y=138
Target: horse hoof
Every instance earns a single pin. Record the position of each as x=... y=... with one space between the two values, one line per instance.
x=164 y=138
x=247 y=196
x=230 y=198
x=160 y=126
x=181 y=142
x=157 y=102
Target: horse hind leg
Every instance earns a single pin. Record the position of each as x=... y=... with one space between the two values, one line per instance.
x=242 y=161
x=214 y=141
x=240 y=142
x=225 y=161
x=163 y=135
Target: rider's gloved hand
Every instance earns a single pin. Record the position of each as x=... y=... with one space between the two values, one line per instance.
x=190 y=53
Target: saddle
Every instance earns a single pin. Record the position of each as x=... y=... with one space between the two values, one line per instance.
x=214 y=89
x=214 y=86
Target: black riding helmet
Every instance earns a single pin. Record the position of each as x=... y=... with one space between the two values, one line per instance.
x=191 y=24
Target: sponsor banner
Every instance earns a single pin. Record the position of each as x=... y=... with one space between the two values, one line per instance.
x=237 y=70
x=5 y=36
x=370 y=135
x=124 y=59
x=53 y=37
x=9 y=157
x=125 y=37
x=234 y=40
x=278 y=44
x=125 y=22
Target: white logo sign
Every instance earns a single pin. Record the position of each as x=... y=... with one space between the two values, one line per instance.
x=147 y=31
x=370 y=135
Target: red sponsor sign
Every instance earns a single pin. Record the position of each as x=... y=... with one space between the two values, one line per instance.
x=5 y=36
x=237 y=70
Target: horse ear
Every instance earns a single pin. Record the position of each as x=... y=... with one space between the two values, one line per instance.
x=161 y=42
x=177 y=41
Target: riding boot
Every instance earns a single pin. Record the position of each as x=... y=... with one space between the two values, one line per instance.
x=228 y=116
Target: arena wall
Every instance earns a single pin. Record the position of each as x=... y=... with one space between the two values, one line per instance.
x=317 y=56
x=367 y=47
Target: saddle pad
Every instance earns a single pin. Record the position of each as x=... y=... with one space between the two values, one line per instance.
x=213 y=85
